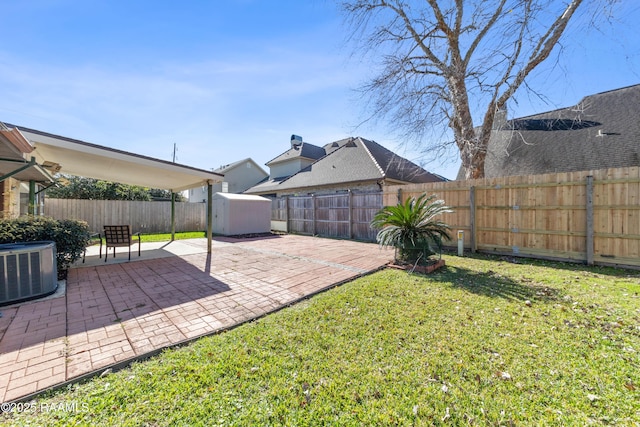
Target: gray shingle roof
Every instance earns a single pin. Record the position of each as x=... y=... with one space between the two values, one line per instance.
x=305 y=150
x=224 y=168
x=601 y=131
x=267 y=185
x=352 y=160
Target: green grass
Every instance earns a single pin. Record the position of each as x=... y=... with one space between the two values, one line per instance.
x=483 y=342
x=162 y=237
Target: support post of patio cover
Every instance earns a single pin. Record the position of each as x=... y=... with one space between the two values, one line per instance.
x=173 y=216
x=209 y=215
x=32 y=198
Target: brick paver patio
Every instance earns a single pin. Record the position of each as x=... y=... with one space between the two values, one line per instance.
x=113 y=313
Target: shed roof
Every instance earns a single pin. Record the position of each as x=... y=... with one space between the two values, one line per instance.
x=243 y=197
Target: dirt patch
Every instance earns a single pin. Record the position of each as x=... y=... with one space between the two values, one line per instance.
x=422 y=269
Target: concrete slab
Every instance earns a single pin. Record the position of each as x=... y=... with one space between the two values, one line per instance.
x=115 y=312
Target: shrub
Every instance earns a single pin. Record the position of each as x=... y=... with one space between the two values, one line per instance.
x=71 y=236
x=412 y=228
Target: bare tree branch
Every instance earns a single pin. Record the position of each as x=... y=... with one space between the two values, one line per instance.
x=437 y=56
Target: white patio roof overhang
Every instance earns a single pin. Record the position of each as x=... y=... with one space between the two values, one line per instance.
x=54 y=153
x=81 y=158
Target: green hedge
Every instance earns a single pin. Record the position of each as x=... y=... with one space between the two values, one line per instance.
x=71 y=236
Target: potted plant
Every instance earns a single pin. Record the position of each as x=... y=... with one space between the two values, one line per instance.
x=413 y=228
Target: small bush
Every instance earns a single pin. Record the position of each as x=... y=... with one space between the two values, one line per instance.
x=412 y=227
x=71 y=236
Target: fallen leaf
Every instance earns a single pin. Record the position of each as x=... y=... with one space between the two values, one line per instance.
x=503 y=375
x=630 y=386
x=592 y=397
x=446 y=415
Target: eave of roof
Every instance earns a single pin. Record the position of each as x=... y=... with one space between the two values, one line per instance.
x=94 y=161
x=223 y=169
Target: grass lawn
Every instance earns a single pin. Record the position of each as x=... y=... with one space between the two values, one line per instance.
x=483 y=342
x=178 y=236
x=163 y=237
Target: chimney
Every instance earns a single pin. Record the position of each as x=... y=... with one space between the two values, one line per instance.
x=296 y=142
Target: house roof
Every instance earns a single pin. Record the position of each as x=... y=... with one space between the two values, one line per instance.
x=601 y=131
x=14 y=150
x=301 y=150
x=267 y=185
x=81 y=158
x=227 y=168
x=350 y=160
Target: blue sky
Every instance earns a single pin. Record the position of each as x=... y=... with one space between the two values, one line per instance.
x=230 y=79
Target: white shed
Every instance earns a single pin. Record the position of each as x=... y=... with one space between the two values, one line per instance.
x=235 y=214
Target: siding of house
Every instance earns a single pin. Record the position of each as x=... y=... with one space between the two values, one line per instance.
x=237 y=178
x=243 y=177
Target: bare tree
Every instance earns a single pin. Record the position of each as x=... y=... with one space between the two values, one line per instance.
x=437 y=57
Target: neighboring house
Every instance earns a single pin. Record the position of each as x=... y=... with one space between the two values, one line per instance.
x=238 y=177
x=602 y=131
x=355 y=164
x=21 y=177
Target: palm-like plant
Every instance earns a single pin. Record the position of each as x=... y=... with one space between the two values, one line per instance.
x=413 y=228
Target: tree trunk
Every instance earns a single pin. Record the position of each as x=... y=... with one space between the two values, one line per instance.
x=474 y=165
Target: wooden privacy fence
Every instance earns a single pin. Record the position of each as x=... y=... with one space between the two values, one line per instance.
x=145 y=217
x=590 y=216
x=345 y=215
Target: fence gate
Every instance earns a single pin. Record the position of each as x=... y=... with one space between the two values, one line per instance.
x=344 y=216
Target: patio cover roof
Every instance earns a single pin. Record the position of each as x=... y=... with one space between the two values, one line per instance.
x=74 y=157
x=14 y=149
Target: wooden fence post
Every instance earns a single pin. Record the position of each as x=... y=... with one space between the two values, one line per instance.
x=350 y=206
x=472 y=218
x=286 y=212
x=313 y=214
x=589 y=220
